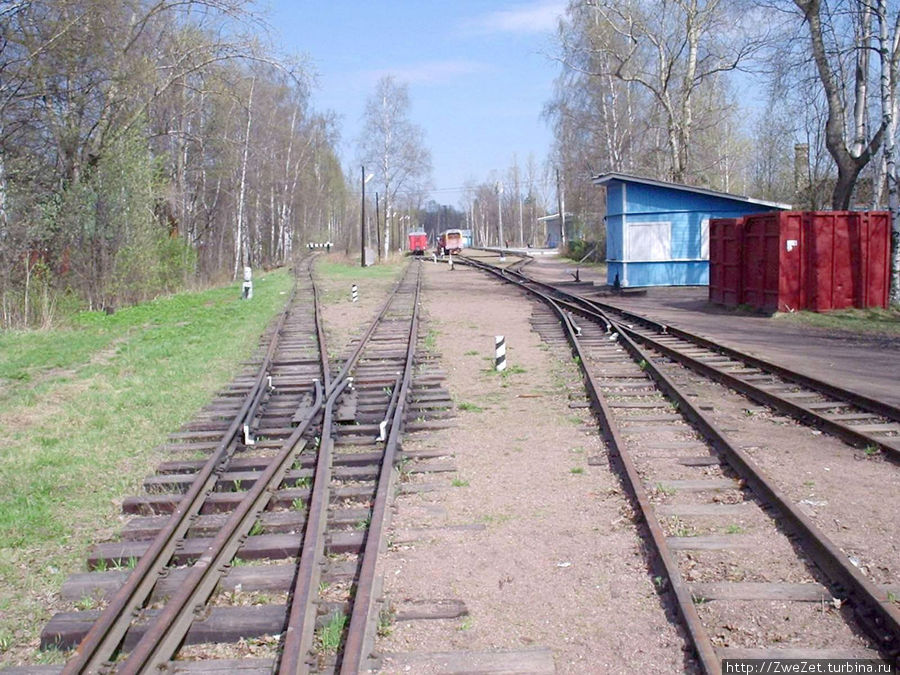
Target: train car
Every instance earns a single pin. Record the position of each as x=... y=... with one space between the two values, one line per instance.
x=451 y=241
x=418 y=242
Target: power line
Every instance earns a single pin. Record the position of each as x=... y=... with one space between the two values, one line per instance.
x=469 y=188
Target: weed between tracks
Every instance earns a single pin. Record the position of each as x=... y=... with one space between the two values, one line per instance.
x=329 y=636
x=83 y=407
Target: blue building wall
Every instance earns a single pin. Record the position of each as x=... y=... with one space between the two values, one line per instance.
x=634 y=202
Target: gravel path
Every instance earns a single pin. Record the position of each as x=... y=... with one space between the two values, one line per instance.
x=535 y=539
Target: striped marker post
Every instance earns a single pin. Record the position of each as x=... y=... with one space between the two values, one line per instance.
x=500 y=353
x=354 y=293
x=450 y=262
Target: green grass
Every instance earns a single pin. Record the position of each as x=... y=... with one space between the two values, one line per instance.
x=873 y=320
x=82 y=409
x=353 y=272
x=337 y=277
x=431 y=340
x=329 y=636
x=469 y=407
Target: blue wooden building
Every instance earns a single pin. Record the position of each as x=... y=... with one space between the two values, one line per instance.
x=657 y=233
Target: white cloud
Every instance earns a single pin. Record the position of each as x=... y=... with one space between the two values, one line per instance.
x=536 y=17
x=431 y=72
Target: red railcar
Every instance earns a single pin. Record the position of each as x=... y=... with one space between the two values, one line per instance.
x=450 y=241
x=418 y=242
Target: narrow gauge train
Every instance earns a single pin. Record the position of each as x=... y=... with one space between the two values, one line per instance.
x=450 y=241
x=418 y=242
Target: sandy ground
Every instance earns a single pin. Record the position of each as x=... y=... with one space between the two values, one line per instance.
x=548 y=555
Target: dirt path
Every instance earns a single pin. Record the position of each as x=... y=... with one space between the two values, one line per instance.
x=534 y=538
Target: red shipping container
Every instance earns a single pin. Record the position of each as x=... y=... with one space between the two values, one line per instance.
x=817 y=260
x=725 y=247
x=847 y=259
x=772 y=261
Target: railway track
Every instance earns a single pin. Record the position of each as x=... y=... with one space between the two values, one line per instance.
x=256 y=548
x=857 y=419
x=721 y=529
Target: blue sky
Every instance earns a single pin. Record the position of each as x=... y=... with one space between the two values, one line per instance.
x=479 y=73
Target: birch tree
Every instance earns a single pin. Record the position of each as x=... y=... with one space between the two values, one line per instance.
x=392 y=146
x=673 y=50
x=840 y=43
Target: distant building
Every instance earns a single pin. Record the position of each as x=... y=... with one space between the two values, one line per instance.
x=553 y=229
x=657 y=233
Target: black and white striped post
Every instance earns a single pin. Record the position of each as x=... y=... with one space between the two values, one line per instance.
x=499 y=353
x=354 y=293
x=247 y=288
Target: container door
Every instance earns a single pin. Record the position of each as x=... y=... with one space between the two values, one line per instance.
x=761 y=249
x=791 y=262
x=875 y=232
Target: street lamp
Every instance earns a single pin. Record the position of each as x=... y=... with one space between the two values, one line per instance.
x=362 y=219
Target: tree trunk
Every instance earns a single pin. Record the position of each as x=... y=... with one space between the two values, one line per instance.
x=240 y=237
x=889 y=74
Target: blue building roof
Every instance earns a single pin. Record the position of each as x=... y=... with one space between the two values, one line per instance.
x=604 y=178
x=657 y=233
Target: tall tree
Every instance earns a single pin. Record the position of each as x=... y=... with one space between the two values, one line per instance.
x=392 y=146
x=674 y=50
x=145 y=141
x=841 y=41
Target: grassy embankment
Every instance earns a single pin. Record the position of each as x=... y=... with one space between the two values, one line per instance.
x=82 y=410
x=871 y=321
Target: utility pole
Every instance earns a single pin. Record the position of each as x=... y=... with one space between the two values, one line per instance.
x=378 y=226
x=362 y=217
x=561 y=204
x=500 y=210
x=362 y=221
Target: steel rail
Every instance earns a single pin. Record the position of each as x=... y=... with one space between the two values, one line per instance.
x=300 y=629
x=301 y=624
x=847 y=432
x=350 y=363
x=837 y=428
x=320 y=333
x=854 y=398
x=102 y=640
x=684 y=601
x=870 y=603
x=164 y=635
x=360 y=635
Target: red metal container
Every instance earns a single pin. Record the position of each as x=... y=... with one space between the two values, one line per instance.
x=790 y=260
x=725 y=261
x=772 y=261
x=847 y=259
